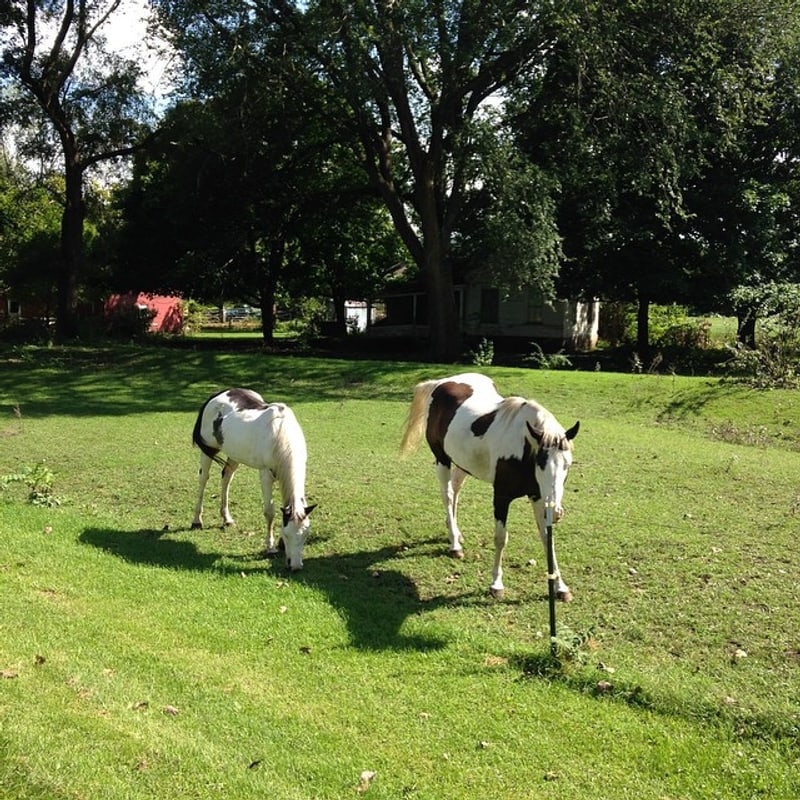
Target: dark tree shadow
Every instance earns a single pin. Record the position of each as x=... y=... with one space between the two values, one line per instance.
x=374 y=601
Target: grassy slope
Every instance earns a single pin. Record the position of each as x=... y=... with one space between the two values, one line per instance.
x=383 y=655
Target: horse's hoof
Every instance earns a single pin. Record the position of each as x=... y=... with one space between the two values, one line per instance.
x=196 y=525
x=228 y=523
x=498 y=594
x=565 y=597
x=456 y=553
x=271 y=553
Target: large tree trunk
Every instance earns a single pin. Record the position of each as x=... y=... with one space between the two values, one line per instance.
x=71 y=250
x=643 y=327
x=443 y=323
x=269 y=280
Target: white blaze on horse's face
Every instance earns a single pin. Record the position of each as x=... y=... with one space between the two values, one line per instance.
x=553 y=461
x=552 y=466
x=294 y=534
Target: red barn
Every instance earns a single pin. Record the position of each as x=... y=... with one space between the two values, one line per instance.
x=168 y=309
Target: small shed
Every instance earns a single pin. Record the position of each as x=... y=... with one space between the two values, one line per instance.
x=167 y=310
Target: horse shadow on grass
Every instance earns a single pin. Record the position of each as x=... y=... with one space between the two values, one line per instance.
x=374 y=601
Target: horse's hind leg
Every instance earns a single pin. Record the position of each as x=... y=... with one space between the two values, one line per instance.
x=227 y=476
x=267 y=480
x=562 y=590
x=451 y=480
x=205 y=470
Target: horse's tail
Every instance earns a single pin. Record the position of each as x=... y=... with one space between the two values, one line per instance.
x=197 y=439
x=417 y=416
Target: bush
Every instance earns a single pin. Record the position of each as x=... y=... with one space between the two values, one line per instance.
x=538 y=359
x=483 y=354
x=129 y=321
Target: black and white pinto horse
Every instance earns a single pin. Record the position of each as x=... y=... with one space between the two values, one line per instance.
x=267 y=437
x=512 y=443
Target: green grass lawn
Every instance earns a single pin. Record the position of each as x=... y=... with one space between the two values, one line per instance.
x=140 y=659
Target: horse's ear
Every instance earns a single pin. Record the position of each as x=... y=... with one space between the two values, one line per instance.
x=538 y=435
x=573 y=431
x=309 y=509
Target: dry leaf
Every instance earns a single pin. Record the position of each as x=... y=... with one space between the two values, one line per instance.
x=171 y=710
x=305 y=649
x=604 y=686
x=39 y=660
x=283 y=609
x=364 y=781
x=9 y=673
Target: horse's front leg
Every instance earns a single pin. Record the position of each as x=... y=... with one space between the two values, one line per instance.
x=205 y=471
x=562 y=590
x=227 y=476
x=450 y=482
x=267 y=481
x=501 y=505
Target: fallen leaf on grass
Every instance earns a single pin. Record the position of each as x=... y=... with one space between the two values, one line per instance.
x=9 y=673
x=39 y=660
x=305 y=649
x=604 y=686
x=364 y=781
x=171 y=711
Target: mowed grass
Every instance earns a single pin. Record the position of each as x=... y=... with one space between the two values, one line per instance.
x=140 y=659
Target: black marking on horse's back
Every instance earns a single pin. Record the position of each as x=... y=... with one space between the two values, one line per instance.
x=246 y=399
x=483 y=423
x=446 y=399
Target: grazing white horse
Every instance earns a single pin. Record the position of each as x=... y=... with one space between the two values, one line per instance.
x=512 y=443
x=267 y=437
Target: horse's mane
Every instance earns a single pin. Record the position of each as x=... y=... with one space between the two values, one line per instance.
x=291 y=455
x=517 y=411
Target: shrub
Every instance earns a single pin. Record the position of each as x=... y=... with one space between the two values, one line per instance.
x=128 y=321
x=538 y=359
x=39 y=481
x=483 y=354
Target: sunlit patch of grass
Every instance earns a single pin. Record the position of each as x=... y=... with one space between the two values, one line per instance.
x=145 y=659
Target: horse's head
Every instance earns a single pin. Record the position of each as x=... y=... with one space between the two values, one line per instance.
x=553 y=460
x=295 y=530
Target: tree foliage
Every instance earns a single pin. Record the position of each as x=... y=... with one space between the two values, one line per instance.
x=649 y=114
x=254 y=185
x=72 y=99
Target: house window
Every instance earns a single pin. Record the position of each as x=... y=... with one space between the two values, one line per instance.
x=535 y=305
x=13 y=307
x=490 y=305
